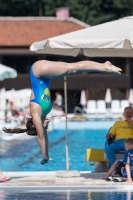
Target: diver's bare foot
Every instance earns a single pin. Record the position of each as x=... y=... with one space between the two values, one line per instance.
x=109 y=68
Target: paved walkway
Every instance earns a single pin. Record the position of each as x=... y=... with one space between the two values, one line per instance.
x=49 y=179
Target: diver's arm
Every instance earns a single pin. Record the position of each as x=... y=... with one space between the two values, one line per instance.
x=49 y=69
x=40 y=133
x=47 y=144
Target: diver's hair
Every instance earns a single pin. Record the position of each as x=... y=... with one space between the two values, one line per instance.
x=15 y=130
x=129 y=141
x=30 y=129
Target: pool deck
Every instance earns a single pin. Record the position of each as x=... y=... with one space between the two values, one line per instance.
x=46 y=180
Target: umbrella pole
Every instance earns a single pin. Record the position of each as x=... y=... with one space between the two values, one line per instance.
x=67 y=173
x=65 y=94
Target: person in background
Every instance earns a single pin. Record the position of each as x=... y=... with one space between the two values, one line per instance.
x=13 y=109
x=123 y=168
x=58 y=103
x=41 y=72
x=3 y=178
x=120 y=131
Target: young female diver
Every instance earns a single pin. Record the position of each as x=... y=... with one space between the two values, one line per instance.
x=40 y=104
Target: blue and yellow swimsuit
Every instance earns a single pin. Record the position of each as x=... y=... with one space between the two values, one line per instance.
x=40 y=88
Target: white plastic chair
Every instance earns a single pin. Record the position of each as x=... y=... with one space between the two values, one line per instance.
x=101 y=109
x=115 y=110
x=91 y=109
x=123 y=104
x=91 y=106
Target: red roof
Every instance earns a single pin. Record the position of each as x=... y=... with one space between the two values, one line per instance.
x=23 y=31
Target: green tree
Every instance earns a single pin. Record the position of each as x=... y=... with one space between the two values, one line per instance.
x=50 y=6
x=19 y=8
x=89 y=11
x=99 y=11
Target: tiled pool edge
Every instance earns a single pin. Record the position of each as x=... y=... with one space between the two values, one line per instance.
x=69 y=188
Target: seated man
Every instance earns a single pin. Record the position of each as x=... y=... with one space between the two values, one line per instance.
x=120 y=131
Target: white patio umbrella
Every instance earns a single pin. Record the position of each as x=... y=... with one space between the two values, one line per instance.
x=130 y=98
x=83 y=98
x=7 y=72
x=113 y=38
x=108 y=98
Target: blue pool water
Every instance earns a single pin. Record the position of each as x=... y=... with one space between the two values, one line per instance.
x=25 y=155
x=66 y=195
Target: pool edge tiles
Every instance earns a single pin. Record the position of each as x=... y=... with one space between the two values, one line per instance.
x=80 y=188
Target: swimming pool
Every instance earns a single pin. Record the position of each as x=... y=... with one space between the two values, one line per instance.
x=24 y=155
